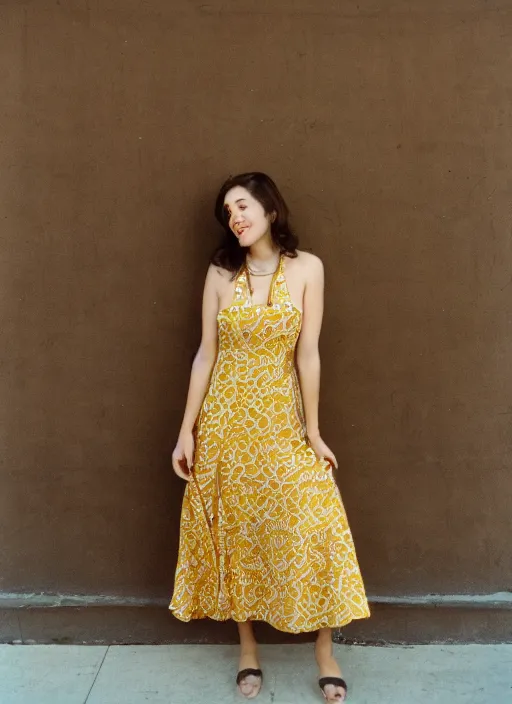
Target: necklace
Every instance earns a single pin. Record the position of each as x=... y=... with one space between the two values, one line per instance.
x=261 y=273
x=249 y=272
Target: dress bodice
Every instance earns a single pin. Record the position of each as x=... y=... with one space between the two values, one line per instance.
x=259 y=335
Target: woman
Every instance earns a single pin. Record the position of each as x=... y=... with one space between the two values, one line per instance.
x=264 y=535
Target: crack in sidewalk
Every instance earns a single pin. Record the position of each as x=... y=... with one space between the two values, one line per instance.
x=94 y=681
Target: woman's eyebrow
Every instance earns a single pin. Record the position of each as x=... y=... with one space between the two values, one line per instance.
x=240 y=200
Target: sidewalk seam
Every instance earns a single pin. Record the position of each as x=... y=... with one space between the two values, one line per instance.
x=96 y=677
x=19 y=627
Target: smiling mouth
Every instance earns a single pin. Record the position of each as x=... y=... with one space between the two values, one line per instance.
x=241 y=231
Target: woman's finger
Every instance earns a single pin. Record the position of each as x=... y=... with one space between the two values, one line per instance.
x=189 y=458
x=329 y=456
x=183 y=472
x=180 y=468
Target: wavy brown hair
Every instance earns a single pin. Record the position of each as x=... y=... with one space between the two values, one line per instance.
x=230 y=255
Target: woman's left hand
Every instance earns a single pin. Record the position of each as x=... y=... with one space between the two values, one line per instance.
x=322 y=451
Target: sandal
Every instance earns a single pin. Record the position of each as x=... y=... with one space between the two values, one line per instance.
x=337 y=682
x=247 y=673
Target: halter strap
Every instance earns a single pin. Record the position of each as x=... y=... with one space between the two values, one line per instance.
x=242 y=295
x=279 y=287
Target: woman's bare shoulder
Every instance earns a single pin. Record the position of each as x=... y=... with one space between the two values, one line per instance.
x=217 y=272
x=308 y=262
x=308 y=258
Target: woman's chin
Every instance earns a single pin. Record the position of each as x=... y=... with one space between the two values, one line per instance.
x=244 y=241
x=247 y=240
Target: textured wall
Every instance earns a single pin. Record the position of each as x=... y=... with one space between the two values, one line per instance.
x=388 y=127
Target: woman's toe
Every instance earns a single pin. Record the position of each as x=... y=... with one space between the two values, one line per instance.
x=334 y=694
x=250 y=686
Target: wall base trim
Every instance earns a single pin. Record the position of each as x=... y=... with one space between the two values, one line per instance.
x=498 y=600
x=103 y=620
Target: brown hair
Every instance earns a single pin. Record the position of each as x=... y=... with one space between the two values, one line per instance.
x=230 y=255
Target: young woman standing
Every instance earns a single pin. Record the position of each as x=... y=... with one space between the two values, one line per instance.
x=264 y=535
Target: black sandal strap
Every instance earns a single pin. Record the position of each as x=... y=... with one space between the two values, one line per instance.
x=248 y=671
x=336 y=681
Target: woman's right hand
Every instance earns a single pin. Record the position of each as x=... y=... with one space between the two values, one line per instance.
x=183 y=456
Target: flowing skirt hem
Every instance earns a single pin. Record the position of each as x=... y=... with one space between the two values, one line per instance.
x=322 y=622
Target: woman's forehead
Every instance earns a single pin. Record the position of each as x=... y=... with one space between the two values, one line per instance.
x=236 y=194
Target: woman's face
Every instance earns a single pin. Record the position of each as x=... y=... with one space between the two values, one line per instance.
x=247 y=218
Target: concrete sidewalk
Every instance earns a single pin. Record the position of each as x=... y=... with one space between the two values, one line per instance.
x=186 y=674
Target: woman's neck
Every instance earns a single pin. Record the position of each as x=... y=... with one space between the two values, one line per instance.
x=263 y=251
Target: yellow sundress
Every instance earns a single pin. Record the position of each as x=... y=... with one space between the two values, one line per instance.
x=264 y=535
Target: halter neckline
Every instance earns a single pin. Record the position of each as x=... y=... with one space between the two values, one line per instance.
x=278 y=271
x=279 y=295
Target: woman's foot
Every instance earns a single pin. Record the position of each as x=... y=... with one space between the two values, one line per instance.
x=333 y=686
x=249 y=676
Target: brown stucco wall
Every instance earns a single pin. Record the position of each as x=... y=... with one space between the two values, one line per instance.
x=388 y=127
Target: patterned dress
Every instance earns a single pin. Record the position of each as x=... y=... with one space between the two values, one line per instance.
x=264 y=535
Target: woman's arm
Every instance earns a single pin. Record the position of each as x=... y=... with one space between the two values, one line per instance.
x=308 y=356
x=183 y=455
